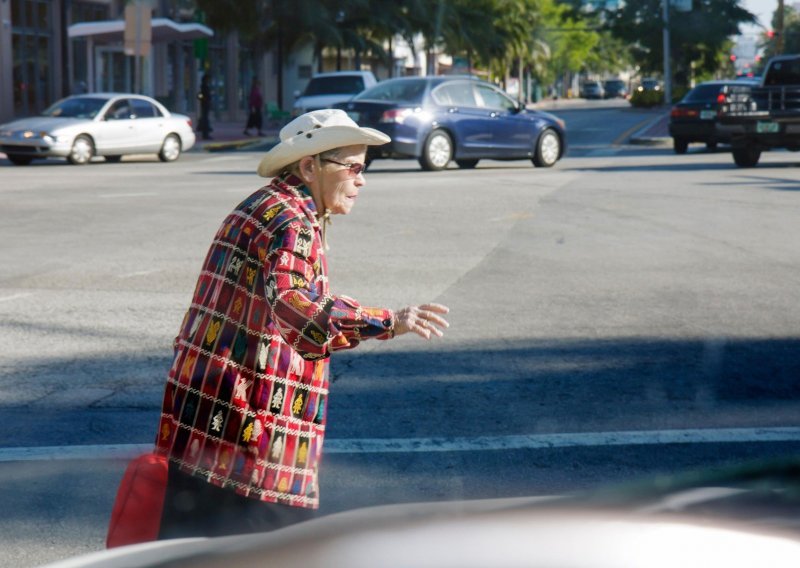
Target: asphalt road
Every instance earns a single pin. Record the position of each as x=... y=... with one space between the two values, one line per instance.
x=596 y=307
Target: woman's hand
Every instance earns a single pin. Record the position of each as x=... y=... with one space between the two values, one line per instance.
x=422 y=320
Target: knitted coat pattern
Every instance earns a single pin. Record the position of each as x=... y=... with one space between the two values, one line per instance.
x=245 y=400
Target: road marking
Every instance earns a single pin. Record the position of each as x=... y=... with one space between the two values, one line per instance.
x=622 y=138
x=16 y=296
x=461 y=444
x=118 y=195
x=139 y=273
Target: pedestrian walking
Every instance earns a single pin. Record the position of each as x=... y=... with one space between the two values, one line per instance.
x=244 y=409
x=205 y=98
x=255 y=102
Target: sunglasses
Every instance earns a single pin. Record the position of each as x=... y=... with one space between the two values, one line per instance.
x=353 y=168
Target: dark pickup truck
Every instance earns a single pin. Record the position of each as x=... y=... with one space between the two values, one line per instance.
x=760 y=117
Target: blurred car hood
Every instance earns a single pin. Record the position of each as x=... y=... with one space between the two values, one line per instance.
x=738 y=517
x=41 y=123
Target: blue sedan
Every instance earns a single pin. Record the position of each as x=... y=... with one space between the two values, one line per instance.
x=444 y=118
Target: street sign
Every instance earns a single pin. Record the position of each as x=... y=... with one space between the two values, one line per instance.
x=681 y=5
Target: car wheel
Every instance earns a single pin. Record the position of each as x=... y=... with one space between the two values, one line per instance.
x=18 y=160
x=170 y=149
x=711 y=146
x=548 y=149
x=467 y=164
x=746 y=157
x=82 y=151
x=680 y=145
x=113 y=159
x=437 y=151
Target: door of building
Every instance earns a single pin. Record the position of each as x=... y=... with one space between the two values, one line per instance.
x=114 y=70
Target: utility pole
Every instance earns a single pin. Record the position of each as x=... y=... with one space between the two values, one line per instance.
x=667 y=70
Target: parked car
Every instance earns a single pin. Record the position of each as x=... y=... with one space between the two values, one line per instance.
x=614 y=88
x=694 y=118
x=735 y=517
x=592 y=90
x=98 y=124
x=443 y=118
x=326 y=89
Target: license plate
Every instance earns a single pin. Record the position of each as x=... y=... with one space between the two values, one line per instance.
x=708 y=114
x=354 y=115
x=767 y=127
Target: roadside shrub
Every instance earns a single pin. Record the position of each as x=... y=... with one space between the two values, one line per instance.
x=647 y=99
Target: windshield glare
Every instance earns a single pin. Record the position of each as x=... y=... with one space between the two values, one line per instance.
x=405 y=90
x=81 y=107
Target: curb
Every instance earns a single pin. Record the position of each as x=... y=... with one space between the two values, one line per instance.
x=236 y=145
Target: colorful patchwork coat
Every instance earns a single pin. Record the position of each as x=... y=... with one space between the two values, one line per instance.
x=245 y=400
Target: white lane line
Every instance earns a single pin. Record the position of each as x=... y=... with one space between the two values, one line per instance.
x=139 y=273
x=16 y=296
x=118 y=195
x=544 y=441
x=479 y=443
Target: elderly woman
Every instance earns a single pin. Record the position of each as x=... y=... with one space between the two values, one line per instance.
x=244 y=410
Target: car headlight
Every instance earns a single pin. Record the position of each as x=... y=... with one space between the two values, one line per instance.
x=46 y=136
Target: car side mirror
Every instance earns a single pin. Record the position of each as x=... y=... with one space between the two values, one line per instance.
x=297 y=94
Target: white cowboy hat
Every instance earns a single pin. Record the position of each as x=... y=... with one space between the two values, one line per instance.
x=315 y=132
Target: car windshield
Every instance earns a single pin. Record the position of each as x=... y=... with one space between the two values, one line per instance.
x=784 y=73
x=78 y=107
x=335 y=85
x=401 y=90
x=702 y=93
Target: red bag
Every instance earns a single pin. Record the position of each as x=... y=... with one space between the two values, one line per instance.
x=136 y=516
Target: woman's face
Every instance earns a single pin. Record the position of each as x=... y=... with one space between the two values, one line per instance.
x=339 y=185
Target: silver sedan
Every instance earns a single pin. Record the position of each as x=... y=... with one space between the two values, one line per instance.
x=98 y=124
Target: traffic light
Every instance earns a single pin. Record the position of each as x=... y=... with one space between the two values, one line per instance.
x=733 y=57
x=770 y=34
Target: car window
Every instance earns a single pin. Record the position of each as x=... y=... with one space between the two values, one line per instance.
x=121 y=109
x=144 y=109
x=335 y=85
x=400 y=90
x=457 y=94
x=492 y=98
x=702 y=93
x=79 y=107
x=784 y=73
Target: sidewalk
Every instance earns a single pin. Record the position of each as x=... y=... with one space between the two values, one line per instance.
x=230 y=136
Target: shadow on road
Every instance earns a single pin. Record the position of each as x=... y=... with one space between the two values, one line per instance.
x=515 y=387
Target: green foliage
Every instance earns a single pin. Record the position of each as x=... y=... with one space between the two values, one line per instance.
x=791 y=34
x=546 y=36
x=699 y=39
x=647 y=99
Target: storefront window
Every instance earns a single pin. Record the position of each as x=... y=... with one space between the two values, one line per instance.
x=32 y=44
x=83 y=12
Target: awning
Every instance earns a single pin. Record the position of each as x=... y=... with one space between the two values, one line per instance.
x=163 y=29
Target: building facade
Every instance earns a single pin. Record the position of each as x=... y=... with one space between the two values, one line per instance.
x=50 y=49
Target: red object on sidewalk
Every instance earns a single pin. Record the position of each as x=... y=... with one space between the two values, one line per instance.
x=136 y=516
